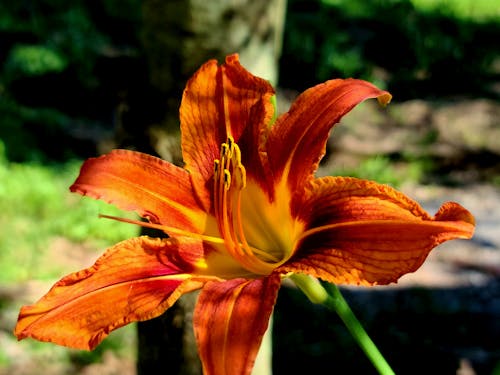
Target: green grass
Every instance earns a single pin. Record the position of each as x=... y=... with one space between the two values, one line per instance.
x=37 y=208
x=385 y=171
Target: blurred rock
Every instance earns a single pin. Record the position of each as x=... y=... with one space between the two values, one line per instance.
x=468 y=126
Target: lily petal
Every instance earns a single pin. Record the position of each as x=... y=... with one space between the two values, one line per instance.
x=230 y=319
x=361 y=232
x=222 y=101
x=134 y=181
x=297 y=140
x=135 y=280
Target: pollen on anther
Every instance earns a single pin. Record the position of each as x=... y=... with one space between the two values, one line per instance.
x=216 y=166
x=224 y=150
x=227 y=179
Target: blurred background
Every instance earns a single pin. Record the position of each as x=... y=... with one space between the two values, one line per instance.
x=80 y=78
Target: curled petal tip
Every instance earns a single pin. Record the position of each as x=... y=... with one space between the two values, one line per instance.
x=453 y=212
x=232 y=58
x=384 y=99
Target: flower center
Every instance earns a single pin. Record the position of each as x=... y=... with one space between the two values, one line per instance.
x=229 y=181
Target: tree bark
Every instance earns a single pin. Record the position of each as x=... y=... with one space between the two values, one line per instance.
x=178 y=36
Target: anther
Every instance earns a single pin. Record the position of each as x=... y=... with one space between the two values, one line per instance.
x=240 y=176
x=227 y=179
x=216 y=167
x=224 y=150
x=236 y=155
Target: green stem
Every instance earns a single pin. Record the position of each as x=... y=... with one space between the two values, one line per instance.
x=334 y=300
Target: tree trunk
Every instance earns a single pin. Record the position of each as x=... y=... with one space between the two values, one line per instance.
x=178 y=37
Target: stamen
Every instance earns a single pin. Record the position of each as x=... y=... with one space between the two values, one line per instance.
x=165 y=228
x=229 y=181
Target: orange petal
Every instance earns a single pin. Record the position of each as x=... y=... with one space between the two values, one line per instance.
x=135 y=280
x=298 y=139
x=360 y=232
x=135 y=181
x=220 y=101
x=230 y=319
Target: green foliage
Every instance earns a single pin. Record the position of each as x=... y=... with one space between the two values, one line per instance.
x=33 y=60
x=477 y=10
x=377 y=169
x=61 y=32
x=69 y=34
x=27 y=132
x=52 y=75
x=420 y=48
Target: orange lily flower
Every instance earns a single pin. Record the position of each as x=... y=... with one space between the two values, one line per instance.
x=244 y=212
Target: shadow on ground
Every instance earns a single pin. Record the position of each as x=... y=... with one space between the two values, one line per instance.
x=419 y=330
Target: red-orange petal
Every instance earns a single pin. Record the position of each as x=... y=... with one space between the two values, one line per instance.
x=371 y=233
x=220 y=101
x=297 y=140
x=230 y=319
x=134 y=181
x=135 y=280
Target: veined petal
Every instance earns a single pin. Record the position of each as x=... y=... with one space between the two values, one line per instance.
x=155 y=188
x=135 y=280
x=230 y=319
x=361 y=232
x=222 y=101
x=337 y=199
x=298 y=139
